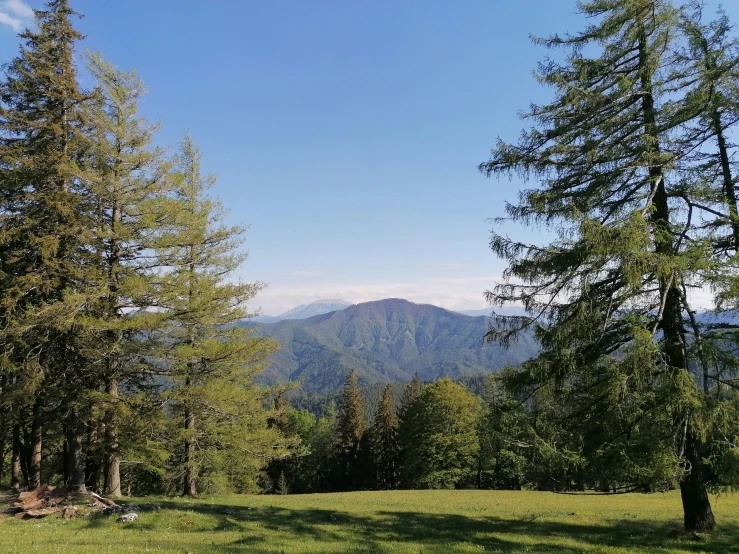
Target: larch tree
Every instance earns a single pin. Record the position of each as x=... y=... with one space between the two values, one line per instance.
x=618 y=172
x=126 y=174
x=209 y=358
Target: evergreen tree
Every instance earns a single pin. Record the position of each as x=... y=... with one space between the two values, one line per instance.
x=350 y=431
x=440 y=438
x=616 y=165
x=314 y=469
x=412 y=391
x=126 y=175
x=46 y=258
x=385 y=446
x=211 y=360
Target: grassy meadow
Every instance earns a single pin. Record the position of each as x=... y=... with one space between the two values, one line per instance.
x=400 y=521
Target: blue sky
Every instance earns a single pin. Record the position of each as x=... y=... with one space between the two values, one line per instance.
x=347 y=134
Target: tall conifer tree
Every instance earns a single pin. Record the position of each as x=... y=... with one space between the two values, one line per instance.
x=45 y=234
x=611 y=188
x=350 y=431
x=125 y=173
x=385 y=446
x=210 y=359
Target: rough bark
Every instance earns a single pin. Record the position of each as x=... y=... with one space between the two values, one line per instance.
x=15 y=468
x=92 y=465
x=698 y=516
x=190 y=484
x=34 y=469
x=112 y=487
x=76 y=459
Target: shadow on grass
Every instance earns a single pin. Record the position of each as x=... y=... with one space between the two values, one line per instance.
x=268 y=529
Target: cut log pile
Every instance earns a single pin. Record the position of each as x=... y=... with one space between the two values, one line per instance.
x=47 y=500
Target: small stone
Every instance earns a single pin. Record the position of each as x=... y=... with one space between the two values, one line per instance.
x=129 y=517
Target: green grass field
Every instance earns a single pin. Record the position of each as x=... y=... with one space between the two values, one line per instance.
x=402 y=521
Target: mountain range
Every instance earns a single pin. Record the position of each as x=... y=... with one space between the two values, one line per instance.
x=304 y=311
x=384 y=341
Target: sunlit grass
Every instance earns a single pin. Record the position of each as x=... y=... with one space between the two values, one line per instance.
x=401 y=521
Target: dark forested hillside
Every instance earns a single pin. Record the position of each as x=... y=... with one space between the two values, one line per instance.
x=387 y=340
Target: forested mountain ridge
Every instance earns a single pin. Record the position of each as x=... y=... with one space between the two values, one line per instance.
x=385 y=341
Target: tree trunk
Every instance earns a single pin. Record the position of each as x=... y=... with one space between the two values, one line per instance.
x=76 y=458
x=34 y=469
x=25 y=455
x=190 y=488
x=92 y=464
x=2 y=451
x=698 y=516
x=696 y=505
x=65 y=459
x=113 y=462
x=15 y=469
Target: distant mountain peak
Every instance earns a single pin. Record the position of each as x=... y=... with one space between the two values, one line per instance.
x=338 y=302
x=385 y=341
x=304 y=311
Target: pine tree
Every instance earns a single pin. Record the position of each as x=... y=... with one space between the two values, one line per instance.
x=210 y=359
x=350 y=431
x=385 y=446
x=45 y=237
x=612 y=189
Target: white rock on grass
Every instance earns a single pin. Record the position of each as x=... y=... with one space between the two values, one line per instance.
x=128 y=518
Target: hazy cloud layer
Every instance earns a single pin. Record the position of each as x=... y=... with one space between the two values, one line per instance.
x=450 y=293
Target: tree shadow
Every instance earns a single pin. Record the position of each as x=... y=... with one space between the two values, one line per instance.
x=440 y=532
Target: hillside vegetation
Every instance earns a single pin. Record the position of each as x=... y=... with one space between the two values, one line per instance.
x=398 y=521
x=387 y=340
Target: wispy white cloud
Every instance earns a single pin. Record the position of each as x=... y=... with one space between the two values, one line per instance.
x=15 y=14
x=280 y=297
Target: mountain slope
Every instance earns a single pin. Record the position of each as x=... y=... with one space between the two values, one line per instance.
x=304 y=311
x=386 y=341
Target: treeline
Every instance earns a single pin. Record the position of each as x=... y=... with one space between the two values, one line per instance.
x=441 y=435
x=426 y=438
x=121 y=367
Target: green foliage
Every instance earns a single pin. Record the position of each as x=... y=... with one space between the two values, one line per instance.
x=633 y=176
x=387 y=340
x=118 y=310
x=350 y=435
x=210 y=361
x=385 y=445
x=440 y=434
